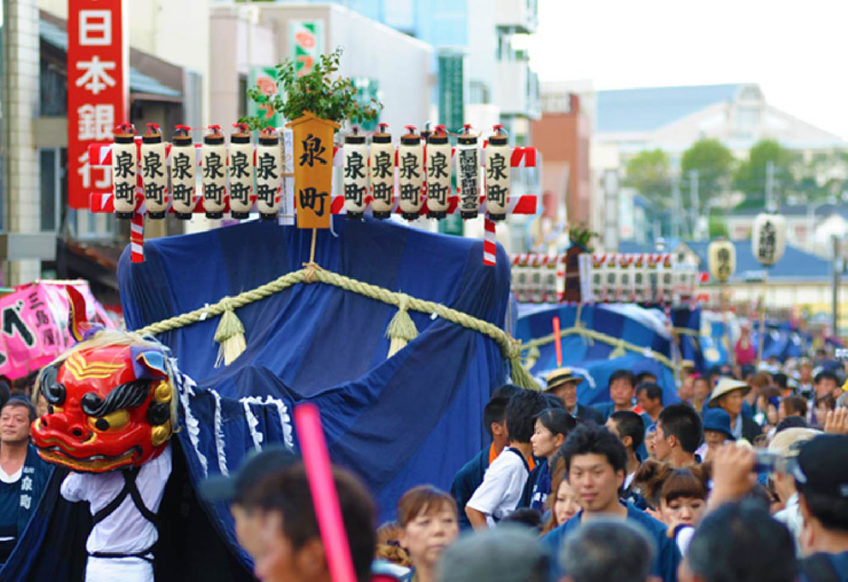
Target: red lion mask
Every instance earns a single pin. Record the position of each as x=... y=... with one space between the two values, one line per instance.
x=111 y=405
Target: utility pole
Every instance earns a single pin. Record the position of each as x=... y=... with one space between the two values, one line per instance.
x=770 y=203
x=676 y=204
x=693 y=211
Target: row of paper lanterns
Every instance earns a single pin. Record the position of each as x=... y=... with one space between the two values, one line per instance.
x=228 y=171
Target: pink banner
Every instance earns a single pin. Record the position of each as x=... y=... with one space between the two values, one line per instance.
x=34 y=325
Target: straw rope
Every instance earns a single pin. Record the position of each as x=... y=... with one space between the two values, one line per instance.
x=510 y=347
x=619 y=344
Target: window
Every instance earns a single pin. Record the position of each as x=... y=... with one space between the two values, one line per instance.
x=51 y=188
x=242 y=95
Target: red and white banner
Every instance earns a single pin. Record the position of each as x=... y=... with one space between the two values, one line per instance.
x=98 y=90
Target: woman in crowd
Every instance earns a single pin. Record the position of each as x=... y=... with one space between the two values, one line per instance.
x=716 y=432
x=729 y=394
x=429 y=523
x=678 y=496
x=562 y=503
x=552 y=426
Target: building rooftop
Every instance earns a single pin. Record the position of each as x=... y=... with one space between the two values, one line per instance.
x=647 y=109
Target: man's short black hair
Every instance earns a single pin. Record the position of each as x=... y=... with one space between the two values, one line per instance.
x=629 y=424
x=641 y=377
x=588 y=439
x=505 y=391
x=743 y=543
x=651 y=390
x=627 y=374
x=791 y=421
x=825 y=375
x=521 y=414
x=287 y=491
x=781 y=380
x=682 y=421
x=21 y=401
x=494 y=412
x=831 y=511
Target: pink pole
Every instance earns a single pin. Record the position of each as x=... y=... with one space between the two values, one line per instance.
x=557 y=341
x=316 y=460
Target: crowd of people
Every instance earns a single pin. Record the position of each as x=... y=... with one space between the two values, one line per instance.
x=740 y=474
x=744 y=477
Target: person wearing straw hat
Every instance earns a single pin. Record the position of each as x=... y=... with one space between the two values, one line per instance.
x=562 y=383
x=729 y=395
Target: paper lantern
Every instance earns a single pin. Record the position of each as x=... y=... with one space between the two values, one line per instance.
x=468 y=173
x=124 y=166
x=214 y=178
x=183 y=173
x=721 y=255
x=666 y=280
x=355 y=174
x=624 y=282
x=153 y=177
x=438 y=173
x=410 y=174
x=240 y=165
x=641 y=280
x=269 y=174
x=497 y=175
x=382 y=173
x=768 y=238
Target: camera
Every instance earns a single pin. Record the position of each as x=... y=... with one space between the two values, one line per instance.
x=768 y=462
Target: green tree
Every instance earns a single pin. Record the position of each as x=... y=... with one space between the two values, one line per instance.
x=648 y=172
x=750 y=176
x=714 y=163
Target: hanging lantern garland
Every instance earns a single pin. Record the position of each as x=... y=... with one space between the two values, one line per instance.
x=240 y=165
x=124 y=167
x=269 y=174
x=382 y=172
x=355 y=174
x=498 y=176
x=438 y=173
x=183 y=171
x=213 y=178
x=410 y=173
x=468 y=173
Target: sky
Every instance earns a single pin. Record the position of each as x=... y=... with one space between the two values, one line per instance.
x=796 y=51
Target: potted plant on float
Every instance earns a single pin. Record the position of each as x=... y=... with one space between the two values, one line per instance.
x=316 y=103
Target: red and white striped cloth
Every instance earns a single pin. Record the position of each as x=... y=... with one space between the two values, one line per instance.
x=490 y=243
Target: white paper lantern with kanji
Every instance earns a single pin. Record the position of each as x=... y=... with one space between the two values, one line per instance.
x=183 y=170
x=721 y=255
x=768 y=238
x=382 y=173
x=410 y=174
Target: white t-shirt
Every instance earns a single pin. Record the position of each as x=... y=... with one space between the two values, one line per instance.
x=499 y=493
x=125 y=530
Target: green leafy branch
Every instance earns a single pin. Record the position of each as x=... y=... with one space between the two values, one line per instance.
x=321 y=91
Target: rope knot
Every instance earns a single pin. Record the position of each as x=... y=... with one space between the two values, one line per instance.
x=229 y=334
x=401 y=329
x=311 y=274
